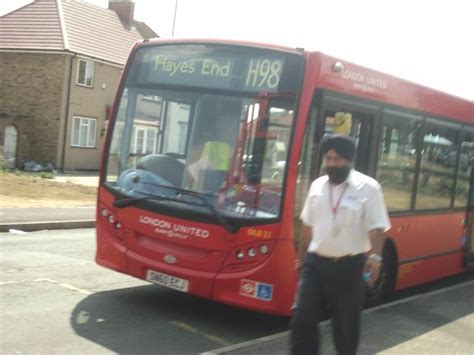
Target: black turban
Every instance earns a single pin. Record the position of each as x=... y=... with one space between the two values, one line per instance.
x=345 y=146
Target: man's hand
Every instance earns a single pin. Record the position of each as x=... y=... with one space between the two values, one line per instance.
x=373 y=266
x=374 y=263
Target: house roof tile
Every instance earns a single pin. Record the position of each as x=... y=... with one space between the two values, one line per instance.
x=71 y=25
x=35 y=26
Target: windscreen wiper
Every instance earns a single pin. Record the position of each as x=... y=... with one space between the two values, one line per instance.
x=125 y=202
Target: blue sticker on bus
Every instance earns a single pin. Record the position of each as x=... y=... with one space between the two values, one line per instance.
x=254 y=289
x=264 y=292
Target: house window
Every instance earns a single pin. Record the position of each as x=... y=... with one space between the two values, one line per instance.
x=84 y=132
x=144 y=140
x=85 y=73
x=183 y=132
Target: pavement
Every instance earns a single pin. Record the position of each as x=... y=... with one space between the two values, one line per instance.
x=32 y=219
x=83 y=178
x=440 y=322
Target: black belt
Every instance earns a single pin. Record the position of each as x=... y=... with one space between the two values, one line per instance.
x=336 y=259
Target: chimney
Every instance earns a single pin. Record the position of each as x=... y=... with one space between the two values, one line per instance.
x=123 y=8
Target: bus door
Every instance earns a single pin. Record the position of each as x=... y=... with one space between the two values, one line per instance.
x=342 y=116
x=466 y=168
x=469 y=231
x=334 y=115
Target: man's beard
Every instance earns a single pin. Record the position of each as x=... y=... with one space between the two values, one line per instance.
x=338 y=174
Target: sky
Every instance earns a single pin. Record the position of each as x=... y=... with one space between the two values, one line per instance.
x=425 y=41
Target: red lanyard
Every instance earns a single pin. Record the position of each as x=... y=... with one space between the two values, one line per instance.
x=331 y=204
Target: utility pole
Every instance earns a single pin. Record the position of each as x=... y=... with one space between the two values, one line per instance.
x=174 y=17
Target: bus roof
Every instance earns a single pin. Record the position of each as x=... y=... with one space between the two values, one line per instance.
x=343 y=76
x=221 y=41
x=349 y=78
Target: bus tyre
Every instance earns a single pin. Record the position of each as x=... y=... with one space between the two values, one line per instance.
x=385 y=284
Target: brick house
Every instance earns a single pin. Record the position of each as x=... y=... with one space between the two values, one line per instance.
x=60 y=63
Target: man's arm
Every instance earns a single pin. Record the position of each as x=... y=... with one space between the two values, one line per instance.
x=377 y=240
x=302 y=247
x=373 y=263
x=377 y=222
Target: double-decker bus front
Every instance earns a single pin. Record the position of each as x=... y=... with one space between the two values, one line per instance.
x=193 y=177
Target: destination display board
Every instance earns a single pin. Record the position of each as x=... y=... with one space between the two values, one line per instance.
x=216 y=67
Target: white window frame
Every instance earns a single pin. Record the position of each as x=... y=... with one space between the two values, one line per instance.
x=84 y=128
x=137 y=140
x=89 y=71
x=146 y=131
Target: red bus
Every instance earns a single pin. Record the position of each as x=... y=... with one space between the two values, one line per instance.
x=212 y=146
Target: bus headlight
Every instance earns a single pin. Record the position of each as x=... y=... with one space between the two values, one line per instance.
x=264 y=249
x=104 y=212
x=248 y=256
x=111 y=219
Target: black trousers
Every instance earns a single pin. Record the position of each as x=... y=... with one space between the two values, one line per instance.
x=334 y=286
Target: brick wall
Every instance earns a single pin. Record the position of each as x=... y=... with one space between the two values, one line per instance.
x=31 y=99
x=90 y=102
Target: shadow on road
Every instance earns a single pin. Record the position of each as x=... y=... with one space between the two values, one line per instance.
x=151 y=319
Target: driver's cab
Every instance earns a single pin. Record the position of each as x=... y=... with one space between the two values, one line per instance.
x=212 y=143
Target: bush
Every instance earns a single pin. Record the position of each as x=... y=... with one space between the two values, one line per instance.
x=47 y=175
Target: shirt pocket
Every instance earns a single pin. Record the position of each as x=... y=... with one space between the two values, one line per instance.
x=316 y=201
x=350 y=214
x=314 y=206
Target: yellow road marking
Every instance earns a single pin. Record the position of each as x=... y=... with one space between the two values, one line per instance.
x=191 y=329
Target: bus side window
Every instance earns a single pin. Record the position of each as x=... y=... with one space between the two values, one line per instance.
x=464 y=169
x=397 y=159
x=436 y=180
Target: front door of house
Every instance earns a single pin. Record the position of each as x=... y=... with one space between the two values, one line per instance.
x=10 y=146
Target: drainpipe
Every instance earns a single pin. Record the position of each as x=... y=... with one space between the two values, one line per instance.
x=68 y=99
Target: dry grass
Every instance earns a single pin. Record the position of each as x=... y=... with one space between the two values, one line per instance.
x=32 y=191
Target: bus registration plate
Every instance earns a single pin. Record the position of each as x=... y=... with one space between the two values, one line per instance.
x=173 y=282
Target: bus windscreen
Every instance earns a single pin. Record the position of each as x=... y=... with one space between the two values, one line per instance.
x=215 y=120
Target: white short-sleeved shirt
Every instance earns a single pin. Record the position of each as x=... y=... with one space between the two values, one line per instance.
x=361 y=209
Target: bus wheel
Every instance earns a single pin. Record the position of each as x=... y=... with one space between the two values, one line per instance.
x=385 y=285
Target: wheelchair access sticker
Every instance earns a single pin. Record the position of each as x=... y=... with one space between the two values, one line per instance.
x=256 y=290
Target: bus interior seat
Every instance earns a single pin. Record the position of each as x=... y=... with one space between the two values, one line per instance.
x=165 y=166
